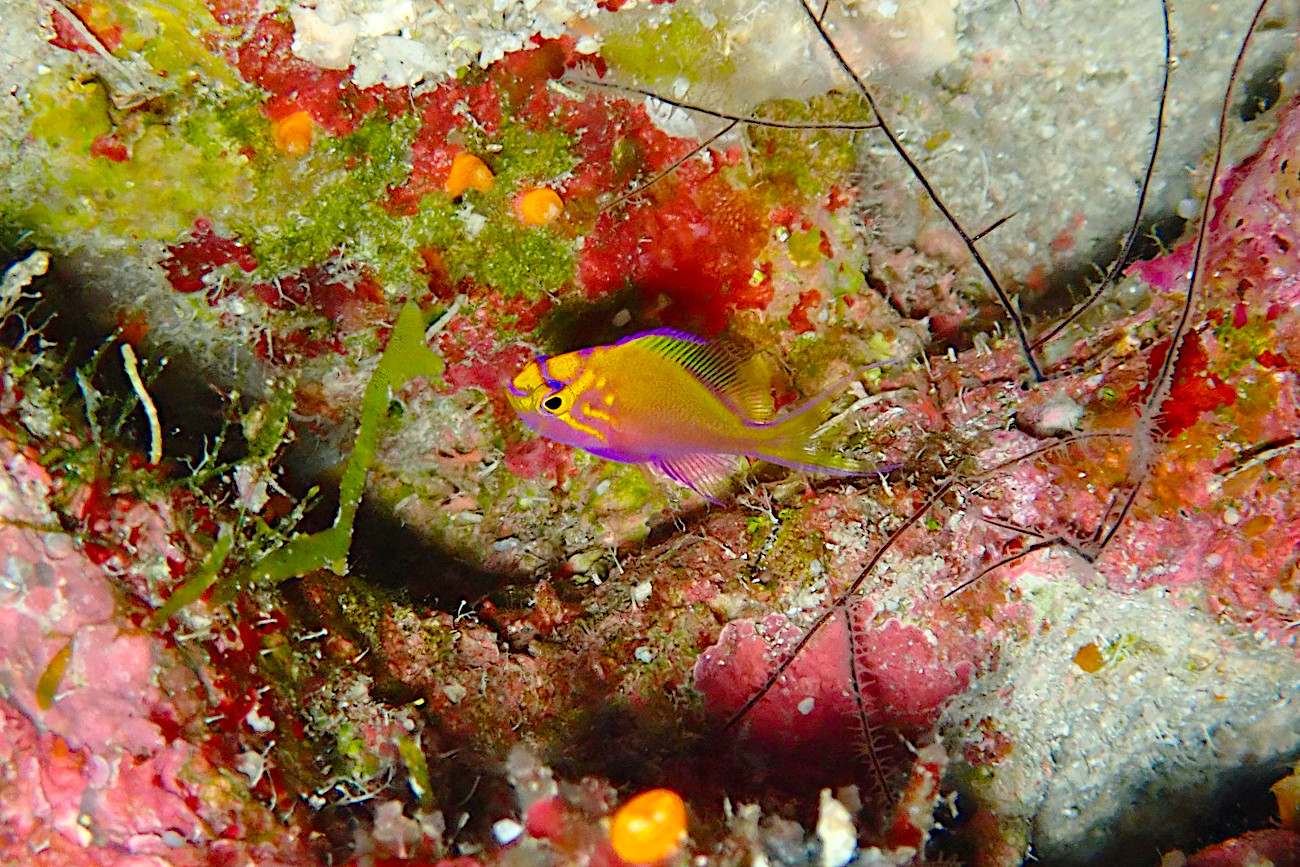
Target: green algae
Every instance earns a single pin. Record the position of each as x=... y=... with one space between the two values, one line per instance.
x=679 y=47
x=479 y=238
x=171 y=175
x=805 y=163
x=491 y=247
x=155 y=194
x=417 y=770
x=168 y=35
x=330 y=199
x=804 y=248
x=48 y=685
x=405 y=358
x=195 y=586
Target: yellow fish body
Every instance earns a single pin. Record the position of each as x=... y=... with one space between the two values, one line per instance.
x=685 y=406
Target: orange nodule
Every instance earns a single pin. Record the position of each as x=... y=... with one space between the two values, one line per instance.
x=292 y=134
x=1089 y=658
x=468 y=171
x=540 y=206
x=650 y=827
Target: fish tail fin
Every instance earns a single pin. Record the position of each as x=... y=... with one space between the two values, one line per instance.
x=792 y=440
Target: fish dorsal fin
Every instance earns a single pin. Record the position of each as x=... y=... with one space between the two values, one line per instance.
x=730 y=370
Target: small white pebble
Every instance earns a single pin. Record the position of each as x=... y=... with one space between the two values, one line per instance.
x=1231 y=516
x=506 y=831
x=454 y=692
x=644 y=654
x=837 y=832
x=641 y=592
x=806 y=706
x=258 y=723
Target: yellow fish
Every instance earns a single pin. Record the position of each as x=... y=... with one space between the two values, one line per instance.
x=685 y=406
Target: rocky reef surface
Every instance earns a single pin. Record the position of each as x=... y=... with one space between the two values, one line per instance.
x=287 y=581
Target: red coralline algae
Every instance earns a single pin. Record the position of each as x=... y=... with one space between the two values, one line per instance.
x=1193 y=391
x=539 y=458
x=189 y=262
x=799 y=315
x=696 y=248
x=110 y=147
x=802 y=721
x=1275 y=846
x=337 y=105
x=347 y=299
x=908 y=674
x=96 y=17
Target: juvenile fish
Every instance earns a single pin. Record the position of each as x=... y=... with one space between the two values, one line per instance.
x=685 y=406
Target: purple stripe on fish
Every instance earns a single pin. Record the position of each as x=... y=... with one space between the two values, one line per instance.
x=543 y=364
x=661 y=332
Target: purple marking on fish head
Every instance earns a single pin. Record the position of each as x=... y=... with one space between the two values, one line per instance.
x=544 y=394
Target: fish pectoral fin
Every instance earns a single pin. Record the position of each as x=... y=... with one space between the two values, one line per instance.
x=706 y=473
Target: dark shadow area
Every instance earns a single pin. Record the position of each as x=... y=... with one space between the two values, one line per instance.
x=389 y=555
x=1261 y=91
x=579 y=324
x=1070 y=285
x=75 y=323
x=1161 y=819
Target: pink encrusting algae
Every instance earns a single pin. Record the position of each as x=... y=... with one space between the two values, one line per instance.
x=94 y=768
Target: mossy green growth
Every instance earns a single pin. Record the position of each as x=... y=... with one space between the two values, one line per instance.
x=346 y=182
x=681 y=46
x=155 y=194
x=405 y=358
x=330 y=199
x=806 y=162
x=481 y=238
x=491 y=247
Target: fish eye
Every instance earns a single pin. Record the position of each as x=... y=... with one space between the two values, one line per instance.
x=554 y=403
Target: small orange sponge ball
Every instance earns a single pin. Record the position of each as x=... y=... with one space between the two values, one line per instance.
x=293 y=134
x=540 y=206
x=650 y=827
x=468 y=171
x=1089 y=658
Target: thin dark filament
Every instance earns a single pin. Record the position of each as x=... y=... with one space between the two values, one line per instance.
x=1164 y=379
x=841 y=601
x=1113 y=273
x=1010 y=527
x=979 y=236
x=672 y=168
x=1010 y=558
x=722 y=115
x=931 y=192
x=864 y=713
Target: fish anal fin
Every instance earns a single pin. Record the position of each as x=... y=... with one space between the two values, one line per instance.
x=730 y=369
x=703 y=472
